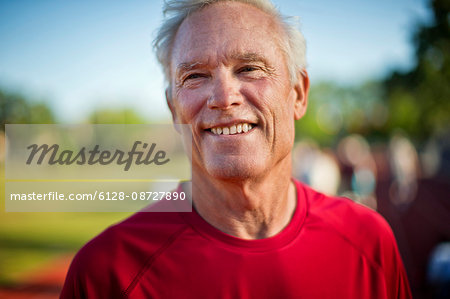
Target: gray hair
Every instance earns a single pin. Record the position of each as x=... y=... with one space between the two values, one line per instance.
x=176 y=11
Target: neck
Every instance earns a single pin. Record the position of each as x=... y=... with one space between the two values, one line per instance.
x=249 y=209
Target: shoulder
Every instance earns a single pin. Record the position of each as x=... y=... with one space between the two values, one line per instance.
x=364 y=230
x=146 y=229
x=360 y=227
x=111 y=261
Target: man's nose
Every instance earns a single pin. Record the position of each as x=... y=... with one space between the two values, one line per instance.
x=225 y=92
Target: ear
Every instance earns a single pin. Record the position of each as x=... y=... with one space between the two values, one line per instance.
x=170 y=104
x=301 y=88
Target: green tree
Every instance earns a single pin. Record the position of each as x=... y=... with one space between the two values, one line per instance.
x=16 y=109
x=116 y=116
x=419 y=100
x=335 y=111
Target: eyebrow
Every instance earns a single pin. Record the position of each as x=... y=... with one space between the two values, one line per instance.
x=252 y=58
x=249 y=57
x=187 y=66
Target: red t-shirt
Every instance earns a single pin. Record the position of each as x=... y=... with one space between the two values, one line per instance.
x=332 y=248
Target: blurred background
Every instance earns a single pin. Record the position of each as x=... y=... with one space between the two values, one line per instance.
x=377 y=127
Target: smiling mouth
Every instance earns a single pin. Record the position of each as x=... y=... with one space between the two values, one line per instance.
x=232 y=130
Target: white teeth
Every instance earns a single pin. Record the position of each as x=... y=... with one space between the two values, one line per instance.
x=239 y=128
x=245 y=128
x=231 y=130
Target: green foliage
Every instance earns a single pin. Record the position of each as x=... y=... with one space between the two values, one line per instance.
x=419 y=99
x=335 y=111
x=417 y=102
x=116 y=116
x=16 y=109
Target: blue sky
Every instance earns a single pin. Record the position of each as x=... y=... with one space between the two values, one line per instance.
x=80 y=55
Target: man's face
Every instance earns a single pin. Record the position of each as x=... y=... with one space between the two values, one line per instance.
x=230 y=82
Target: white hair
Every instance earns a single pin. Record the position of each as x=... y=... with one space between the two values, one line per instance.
x=176 y=11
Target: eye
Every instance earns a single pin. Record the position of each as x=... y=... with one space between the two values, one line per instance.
x=248 y=69
x=193 y=76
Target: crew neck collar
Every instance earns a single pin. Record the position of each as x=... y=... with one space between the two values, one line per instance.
x=283 y=238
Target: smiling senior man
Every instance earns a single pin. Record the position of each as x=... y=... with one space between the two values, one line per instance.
x=236 y=73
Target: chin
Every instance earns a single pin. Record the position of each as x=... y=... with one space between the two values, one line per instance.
x=234 y=170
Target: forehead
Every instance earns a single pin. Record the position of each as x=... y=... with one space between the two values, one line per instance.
x=225 y=29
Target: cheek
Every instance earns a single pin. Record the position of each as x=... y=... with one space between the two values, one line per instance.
x=281 y=108
x=277 y=103
x=188 y=104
